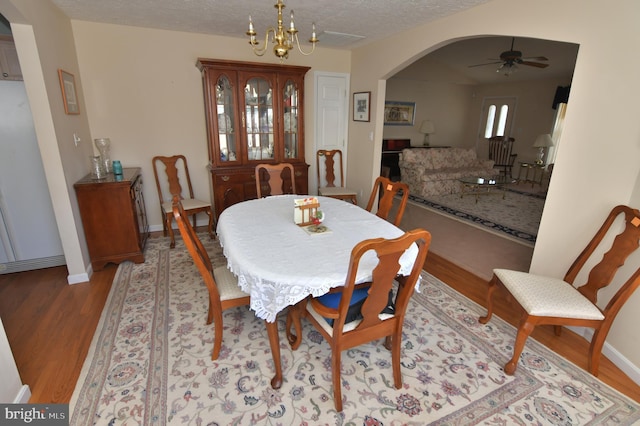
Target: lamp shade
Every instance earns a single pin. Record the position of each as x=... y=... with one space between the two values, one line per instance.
x=427 y=127
x=543 y=141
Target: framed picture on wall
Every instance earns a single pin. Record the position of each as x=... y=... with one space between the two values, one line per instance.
x=399 y=113
x=68 y=86
x=361 y=104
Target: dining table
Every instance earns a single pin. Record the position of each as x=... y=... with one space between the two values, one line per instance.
x=279 y=263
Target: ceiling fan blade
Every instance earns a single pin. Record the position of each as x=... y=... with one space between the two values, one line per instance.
x=535 y=58
x=488 y=63
x=534 y=64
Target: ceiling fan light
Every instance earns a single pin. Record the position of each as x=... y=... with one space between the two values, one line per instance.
x=507 y=69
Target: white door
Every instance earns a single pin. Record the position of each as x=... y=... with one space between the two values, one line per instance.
x=496 y=119
x=332 y=106
x=28 y=230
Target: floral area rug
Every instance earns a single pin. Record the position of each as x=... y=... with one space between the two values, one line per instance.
x=516 y=216
x=150 y=364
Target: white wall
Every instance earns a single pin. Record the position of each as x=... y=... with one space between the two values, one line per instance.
x=597 y=165
x=11 y=388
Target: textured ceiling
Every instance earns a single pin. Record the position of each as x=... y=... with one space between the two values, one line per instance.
x=373 y=19
x=369 y=19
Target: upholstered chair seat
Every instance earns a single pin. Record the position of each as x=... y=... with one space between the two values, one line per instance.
x=546 y=296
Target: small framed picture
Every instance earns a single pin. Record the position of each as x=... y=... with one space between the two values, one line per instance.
x=361 y=103
x=69 y=97
x=399 y=113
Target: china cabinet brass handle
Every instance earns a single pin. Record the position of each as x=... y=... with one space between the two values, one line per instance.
x=225 y=178
x=298 y=173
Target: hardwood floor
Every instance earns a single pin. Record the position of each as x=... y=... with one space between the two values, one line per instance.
x=50 y=326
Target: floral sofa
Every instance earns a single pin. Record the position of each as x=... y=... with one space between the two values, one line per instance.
x=435 y=171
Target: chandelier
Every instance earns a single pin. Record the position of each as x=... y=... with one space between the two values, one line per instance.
x=282 y=39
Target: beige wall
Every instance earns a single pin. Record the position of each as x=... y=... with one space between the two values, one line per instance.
x=455 y=109
x=447 y=105
x=597 y=162
x=144 y=92
x=533 y=114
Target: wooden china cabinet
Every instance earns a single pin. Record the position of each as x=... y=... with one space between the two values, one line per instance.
x=254 y=115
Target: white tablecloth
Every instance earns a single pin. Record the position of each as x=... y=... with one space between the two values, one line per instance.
x=279 y=264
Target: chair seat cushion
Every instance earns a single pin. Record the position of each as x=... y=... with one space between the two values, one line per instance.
x=330 y=191
x=347 y=326
x=227 y=284
x=547 y=296
x=187 y=204
x=354 y=315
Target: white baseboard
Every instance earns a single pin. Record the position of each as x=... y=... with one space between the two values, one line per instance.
x=31 y=264
x=154 y=228
x=78 y=278
x=620 y=361
x=23 y=395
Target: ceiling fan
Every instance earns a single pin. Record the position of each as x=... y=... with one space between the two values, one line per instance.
x=510 y=59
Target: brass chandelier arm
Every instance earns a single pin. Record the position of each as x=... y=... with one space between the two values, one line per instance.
x=313 y=45
x=255 y=44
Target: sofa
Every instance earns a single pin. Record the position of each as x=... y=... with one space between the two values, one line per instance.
x=435 y=171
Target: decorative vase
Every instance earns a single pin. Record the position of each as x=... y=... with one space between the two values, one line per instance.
x=104 y=147
x=97 y=167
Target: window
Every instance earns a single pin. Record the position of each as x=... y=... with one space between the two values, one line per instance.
x=491 y=115
x=490 y=130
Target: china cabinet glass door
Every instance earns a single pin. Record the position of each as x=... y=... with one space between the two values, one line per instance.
x=227 y=136
x=258 y=98
x=291 y=114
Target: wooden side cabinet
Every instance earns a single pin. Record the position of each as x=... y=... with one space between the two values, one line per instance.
x=114 y=217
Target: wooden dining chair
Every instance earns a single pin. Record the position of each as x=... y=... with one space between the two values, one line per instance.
x=385 y=190
x=558 y=302
x=328 y=187
x=375 y=319
x=224 y=292
x=176 y=166
x=271 y=179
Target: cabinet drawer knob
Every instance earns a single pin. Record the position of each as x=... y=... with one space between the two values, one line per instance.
x=225 y=178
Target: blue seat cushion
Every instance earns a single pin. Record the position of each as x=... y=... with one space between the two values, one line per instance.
x=332 y=300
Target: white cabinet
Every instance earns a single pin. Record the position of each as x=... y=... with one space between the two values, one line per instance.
x=9 y=64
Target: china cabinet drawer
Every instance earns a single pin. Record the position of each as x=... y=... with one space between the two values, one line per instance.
x=237 y=184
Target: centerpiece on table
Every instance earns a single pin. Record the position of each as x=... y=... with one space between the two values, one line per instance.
x=308 y=216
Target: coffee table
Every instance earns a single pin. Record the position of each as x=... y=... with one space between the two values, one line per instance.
x=477 y=185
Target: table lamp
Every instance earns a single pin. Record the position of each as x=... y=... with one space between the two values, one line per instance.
x=427 y=128
x=542 y=142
